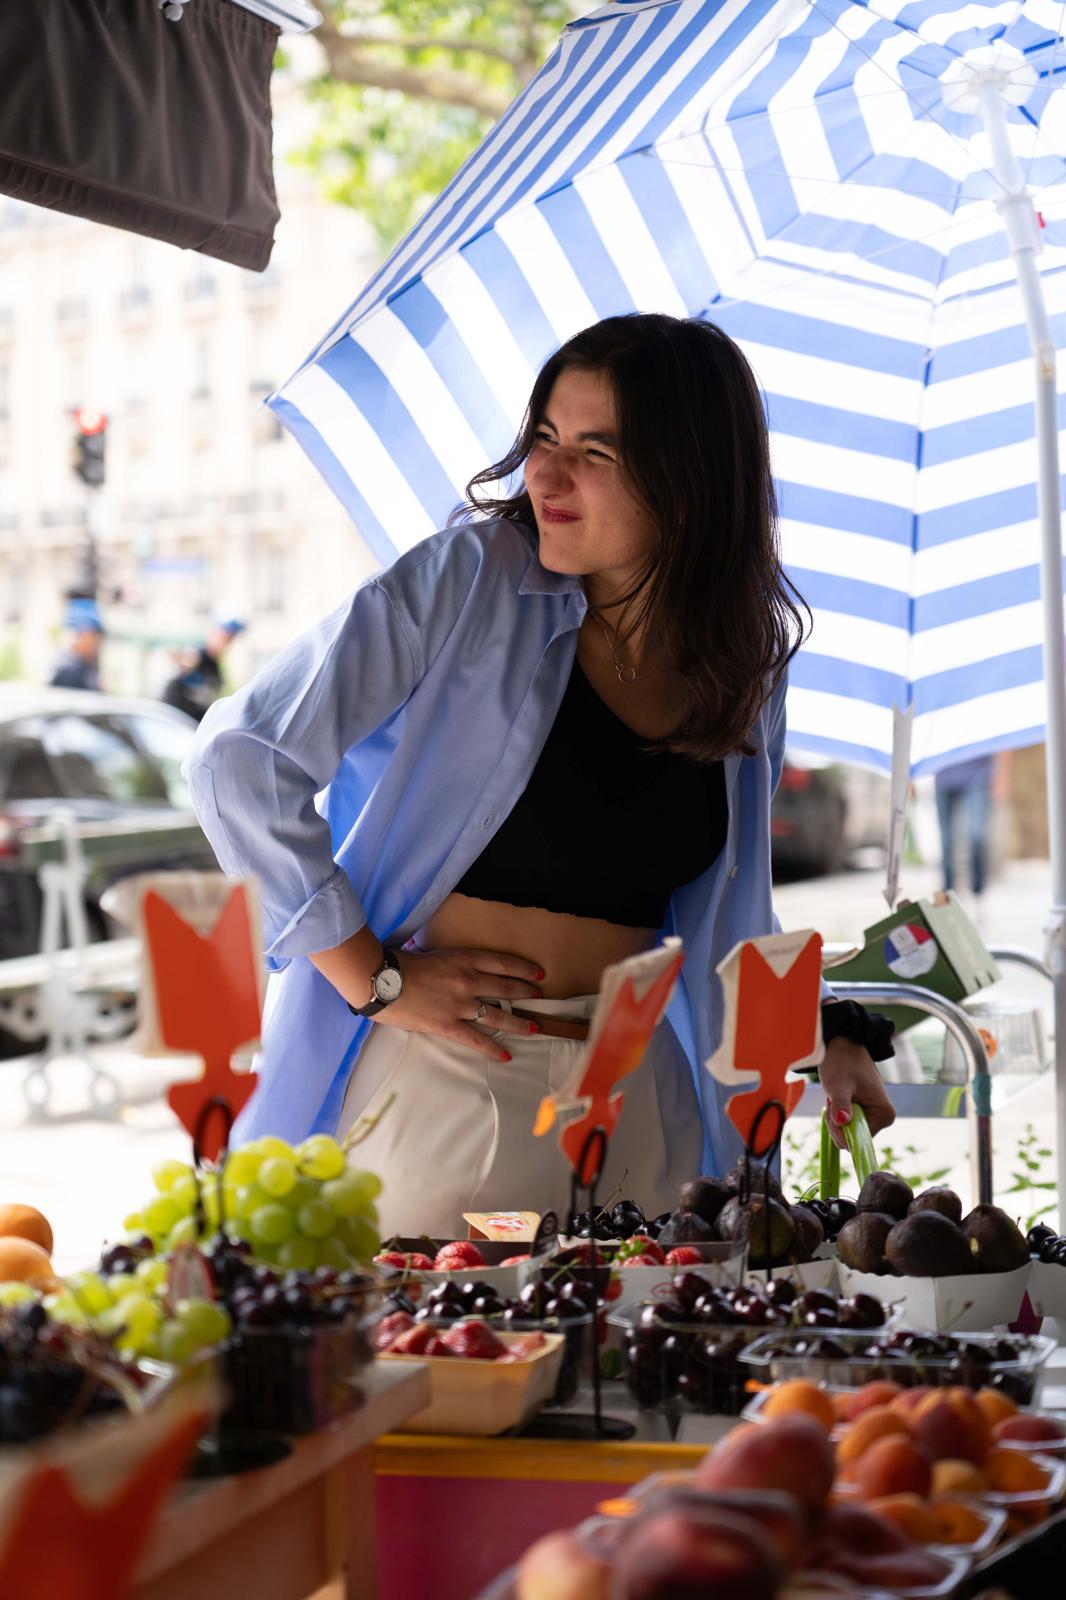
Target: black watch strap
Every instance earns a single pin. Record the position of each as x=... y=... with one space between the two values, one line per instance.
x=373 y=1007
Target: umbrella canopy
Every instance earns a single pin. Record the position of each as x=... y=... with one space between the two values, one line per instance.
x=803 y=175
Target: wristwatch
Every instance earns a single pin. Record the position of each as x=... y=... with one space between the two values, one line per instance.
x=386 y=985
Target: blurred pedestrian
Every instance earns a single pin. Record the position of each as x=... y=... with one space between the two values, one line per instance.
x=966 y=789
x=79 y=665
x=199 y=682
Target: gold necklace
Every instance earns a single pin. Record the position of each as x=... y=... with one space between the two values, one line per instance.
x=625 y=673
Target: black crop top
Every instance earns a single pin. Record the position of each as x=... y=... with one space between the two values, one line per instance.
x=604 y=828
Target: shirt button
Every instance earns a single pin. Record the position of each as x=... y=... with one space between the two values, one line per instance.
x=486 y=822
x=732 y=872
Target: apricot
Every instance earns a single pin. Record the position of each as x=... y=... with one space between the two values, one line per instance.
x=907 y=1399
x=881 y=1392
x=956 y=1522
x=1013 y=1472
x=877 y=1423
x=800 y=1395
x=695 y=1553
x=794 y=1454
x=26 y=1222
x=950 y=1425
x=1026 y=1428
x=22 y=1261
x=910 y=1514
x=893 y=1465
x=958 y=1477
x=995 y=1404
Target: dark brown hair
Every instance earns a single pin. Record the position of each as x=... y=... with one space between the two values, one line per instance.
x=694 y=447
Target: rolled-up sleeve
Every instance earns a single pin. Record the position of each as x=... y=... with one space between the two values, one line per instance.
x=263 y=754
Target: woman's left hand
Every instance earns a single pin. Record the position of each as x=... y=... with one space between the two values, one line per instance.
x=849 y=1073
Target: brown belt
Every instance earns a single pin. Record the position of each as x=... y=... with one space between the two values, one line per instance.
x=555 y=1027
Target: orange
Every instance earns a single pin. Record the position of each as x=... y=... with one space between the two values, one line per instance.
x=877 y=1423
x=910 y=1514
x=1014 y=1472
x=996 y=1405
x=22 y=1261
x=799 y=1394
x=952 y=1477
x=26 y=1222
x=956 y=1522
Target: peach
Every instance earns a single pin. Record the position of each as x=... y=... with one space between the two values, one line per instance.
x=22 y=1261
x=912 y=1568
x=907 y=1399
x=791 y=1453
x=910 y=1514
x=995 y=1404
x=556 y=1568
x=1013 y=1472
x=957 y=1477
x=1030 y=1429
x=844 y=1525
x=947 y=1429
x=800 y=1395
x=677 y=1552
x=878 y=1393
x=893 y=1465
x=877 y=1423
x=775 y=1513
x=26 y=1222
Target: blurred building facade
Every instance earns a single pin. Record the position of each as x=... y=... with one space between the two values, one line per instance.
x=207 y=504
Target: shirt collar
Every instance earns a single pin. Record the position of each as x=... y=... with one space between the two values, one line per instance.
x=538 y=580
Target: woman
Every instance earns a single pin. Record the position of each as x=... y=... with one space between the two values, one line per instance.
x=546 y=736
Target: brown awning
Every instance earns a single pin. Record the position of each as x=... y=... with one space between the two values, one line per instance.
x=111 y=111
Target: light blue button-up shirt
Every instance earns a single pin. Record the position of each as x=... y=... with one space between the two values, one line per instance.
x=365 y=768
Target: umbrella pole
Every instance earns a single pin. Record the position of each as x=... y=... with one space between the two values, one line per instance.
x=1023 y=233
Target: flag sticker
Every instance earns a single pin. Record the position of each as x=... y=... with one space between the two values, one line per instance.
x=910 y=951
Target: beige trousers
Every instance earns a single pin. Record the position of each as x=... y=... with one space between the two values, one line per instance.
x=459 y=1134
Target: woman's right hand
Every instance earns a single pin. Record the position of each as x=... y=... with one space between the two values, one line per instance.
x=443 y=989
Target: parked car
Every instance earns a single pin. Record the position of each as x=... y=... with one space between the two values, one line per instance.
x=824 y=813
x=114 y=766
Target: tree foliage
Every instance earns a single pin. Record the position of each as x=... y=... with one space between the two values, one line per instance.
x=410 y=87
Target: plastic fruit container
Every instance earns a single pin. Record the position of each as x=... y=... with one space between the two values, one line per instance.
x=683 y=1366
x=483 y=1398
x=293 y=1379
x=1033 y=1502
x=848 y=1360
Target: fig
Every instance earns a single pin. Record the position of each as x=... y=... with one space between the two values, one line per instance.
x=738 y=1221
x=759 y=1180
x=705 y=1196
x=884 y=1191
x=996 y=1243
x=684 y=1227
x=929 y=1245
x=861 y=1242
x=809 y=1232
x=946 y=1201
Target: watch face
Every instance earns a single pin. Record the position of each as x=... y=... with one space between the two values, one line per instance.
x=388 y=984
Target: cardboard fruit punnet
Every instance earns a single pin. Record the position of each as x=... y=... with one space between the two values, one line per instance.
x=967 y=1302
x=485 y=1397
x=930 y=942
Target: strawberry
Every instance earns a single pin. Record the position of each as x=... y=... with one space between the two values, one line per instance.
x=416 y=1341
x=514 y=1261
x=417 y=1262
x=613 y=1289
x=390 y=1258
x=524 y=1347
x=641 y=1261
x=474 y=1341
x=648 y=1247
x=458 y=1257
x=390 y=1328
x=683 y=1255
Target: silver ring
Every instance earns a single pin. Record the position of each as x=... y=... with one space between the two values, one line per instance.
x=481 y=1013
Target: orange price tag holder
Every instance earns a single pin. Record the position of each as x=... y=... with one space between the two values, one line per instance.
x=203 y=988
x=772 y=1025
x=633 y=996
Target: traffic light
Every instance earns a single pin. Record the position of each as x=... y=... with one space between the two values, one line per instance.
x=90 y=445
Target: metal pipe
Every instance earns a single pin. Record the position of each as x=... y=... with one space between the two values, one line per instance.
x=978 y=1079
x=1022 y=227
x=1023 y=957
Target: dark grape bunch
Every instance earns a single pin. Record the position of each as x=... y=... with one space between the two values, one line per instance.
x=51 y=1374
x=263 y=1297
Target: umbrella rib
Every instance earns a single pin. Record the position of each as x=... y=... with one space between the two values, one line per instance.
x=1037 y=135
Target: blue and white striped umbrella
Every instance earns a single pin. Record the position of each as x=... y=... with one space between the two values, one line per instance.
x=813 y=178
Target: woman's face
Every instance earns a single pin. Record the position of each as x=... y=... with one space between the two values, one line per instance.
x=591 y=524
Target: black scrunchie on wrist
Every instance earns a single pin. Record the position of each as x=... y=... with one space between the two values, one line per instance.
x=847 y=1019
